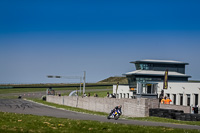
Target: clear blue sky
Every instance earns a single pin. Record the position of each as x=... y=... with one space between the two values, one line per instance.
x=59 y=37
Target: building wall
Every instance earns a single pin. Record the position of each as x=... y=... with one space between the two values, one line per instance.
x=123 y=91
x=181 y=89
x=178 y=89
x=130 y=107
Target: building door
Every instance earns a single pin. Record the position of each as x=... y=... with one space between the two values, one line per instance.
x=196 y=99
x=149 y=88
x=174 y=100
x=181 y=99
x=188 y=99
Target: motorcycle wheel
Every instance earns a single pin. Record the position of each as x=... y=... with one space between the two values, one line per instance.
x=116 y=117
x=108 y=117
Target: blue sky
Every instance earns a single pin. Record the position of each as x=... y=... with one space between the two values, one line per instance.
x=39 y=38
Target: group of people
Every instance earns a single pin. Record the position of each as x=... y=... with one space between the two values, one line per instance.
x=85 y=95
x=165 y=100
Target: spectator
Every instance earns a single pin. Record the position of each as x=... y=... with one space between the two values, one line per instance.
x=108 y=94
x=95 y=95
x=163 y=101
x=84 y=95
x=88 y=94
x=168 y=100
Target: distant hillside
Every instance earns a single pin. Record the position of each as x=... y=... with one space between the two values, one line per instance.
x=121 y=80
x=194 y=81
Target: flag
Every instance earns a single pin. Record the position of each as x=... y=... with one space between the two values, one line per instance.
x=165 y=85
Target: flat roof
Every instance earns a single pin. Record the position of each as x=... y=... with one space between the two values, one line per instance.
x=156 y=73
x=159 y=61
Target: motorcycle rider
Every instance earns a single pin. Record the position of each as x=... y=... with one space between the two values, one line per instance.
x=116 y=108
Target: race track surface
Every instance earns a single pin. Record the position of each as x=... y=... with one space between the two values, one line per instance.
x=28 y=107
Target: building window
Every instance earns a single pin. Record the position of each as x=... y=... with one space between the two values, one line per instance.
x=188 y=99
x=144 y=66
x=146 y=88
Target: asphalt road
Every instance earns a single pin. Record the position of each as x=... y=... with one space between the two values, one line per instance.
x=28 y=107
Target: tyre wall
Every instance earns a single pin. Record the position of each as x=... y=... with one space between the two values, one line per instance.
x=174 y=114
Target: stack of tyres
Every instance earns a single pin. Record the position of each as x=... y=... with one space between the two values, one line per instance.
x=153 y=112
x=178 y=115
x=198 y=117
x=188 y=117
x=174 y=114
x=194 y=117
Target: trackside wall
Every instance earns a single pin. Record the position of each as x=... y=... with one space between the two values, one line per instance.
x=130 y=107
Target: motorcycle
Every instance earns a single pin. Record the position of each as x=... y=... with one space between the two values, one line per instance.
x=115 y=115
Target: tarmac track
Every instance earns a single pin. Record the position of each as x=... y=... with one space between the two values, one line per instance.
x=28 y=107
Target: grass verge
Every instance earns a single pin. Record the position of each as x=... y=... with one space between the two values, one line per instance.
x=165 y=120
x=19 y=90
x=11 y=122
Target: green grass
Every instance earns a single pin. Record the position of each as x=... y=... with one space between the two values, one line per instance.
x=19 y=90
x=11 y=123
x=165 y=120
x=69 y=107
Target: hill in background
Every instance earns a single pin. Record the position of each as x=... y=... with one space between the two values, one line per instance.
x=121 y=80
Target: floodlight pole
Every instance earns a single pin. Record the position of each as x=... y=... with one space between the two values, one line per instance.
x=80 y=84
x=84 y=81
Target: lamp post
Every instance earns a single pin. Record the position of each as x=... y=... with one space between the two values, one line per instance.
x=84 y=76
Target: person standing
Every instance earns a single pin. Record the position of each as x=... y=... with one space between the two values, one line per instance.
x=168 y=100
x=163 y=101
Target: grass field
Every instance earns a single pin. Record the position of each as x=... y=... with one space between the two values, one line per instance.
x=19 y=90
x=11 y=122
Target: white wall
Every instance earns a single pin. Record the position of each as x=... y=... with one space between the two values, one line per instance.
x=181 y=88
x=123 y=90
x=177 y=88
